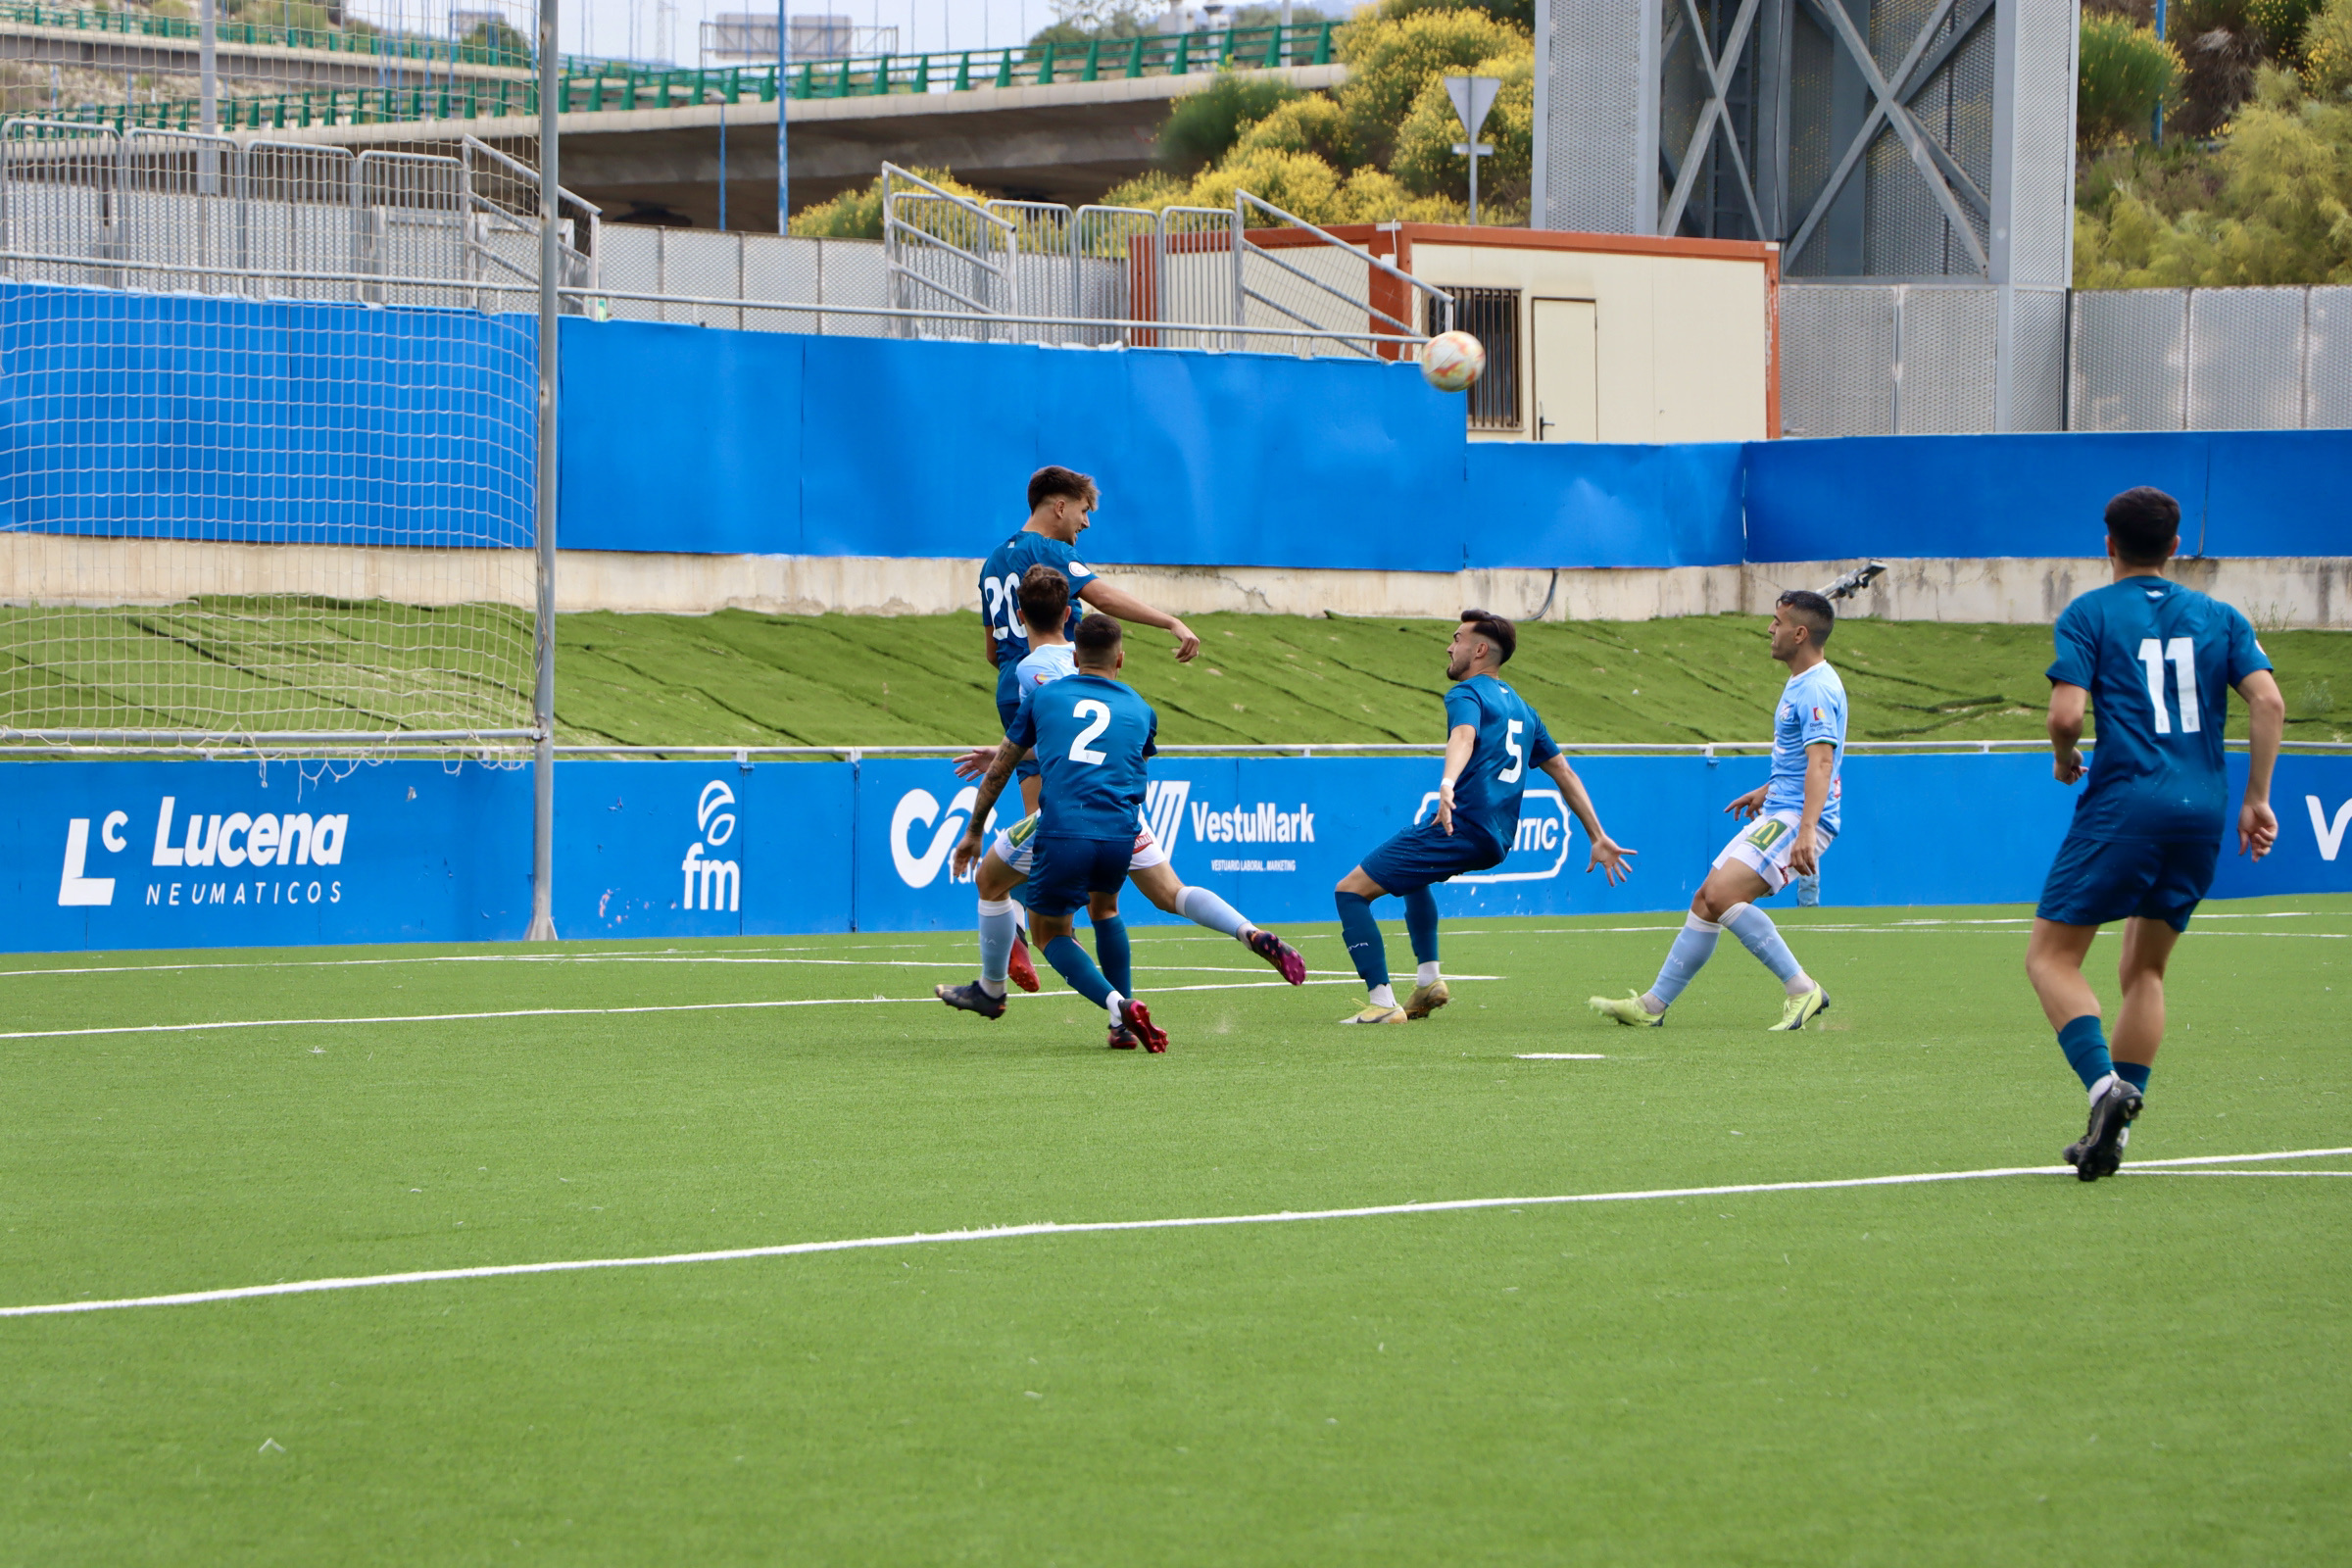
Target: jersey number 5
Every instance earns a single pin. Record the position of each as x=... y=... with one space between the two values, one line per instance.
x=2182 y=655
x=1510 y=743
x=1080 y=752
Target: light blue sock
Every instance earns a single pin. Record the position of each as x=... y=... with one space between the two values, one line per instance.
x=2085 y=1043
x=1421 y=924
x=1118 y=959
x=1693 y=945
x=1365 y=944
x=1203 y=908
x=1070 y=961
x=1756 y=932
x=997 y=926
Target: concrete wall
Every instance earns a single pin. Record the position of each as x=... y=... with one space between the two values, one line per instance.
x=2276 y=591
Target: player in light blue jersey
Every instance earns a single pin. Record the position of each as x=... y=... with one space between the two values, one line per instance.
x=1491 y=737
x=1061 y=505
x=1795 y=817
x=2156 y=662
x=1092 y=735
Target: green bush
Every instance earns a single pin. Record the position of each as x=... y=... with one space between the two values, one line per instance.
x=1204 y=125
x=2126 y=73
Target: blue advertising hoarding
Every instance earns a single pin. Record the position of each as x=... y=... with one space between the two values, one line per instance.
x=168 y=854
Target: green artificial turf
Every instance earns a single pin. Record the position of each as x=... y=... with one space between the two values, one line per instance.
x=2022 y=1369
x=748 y=679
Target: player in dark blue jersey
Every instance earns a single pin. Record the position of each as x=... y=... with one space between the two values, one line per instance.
x=2156 y=663
x=1061 y=505
x=1491 y=737
x=1091 y=734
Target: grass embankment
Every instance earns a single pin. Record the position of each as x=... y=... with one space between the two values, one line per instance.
x=749 y=679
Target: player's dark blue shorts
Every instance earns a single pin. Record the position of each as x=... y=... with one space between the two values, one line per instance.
x=1425 y=853
x=2093 y=881
x=1064 y=872
x=1008 y=703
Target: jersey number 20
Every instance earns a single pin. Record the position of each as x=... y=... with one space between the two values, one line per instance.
x=1080 y=752
x=1004 y=605
x=2182 y=656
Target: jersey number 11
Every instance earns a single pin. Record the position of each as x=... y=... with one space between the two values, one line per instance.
x=2182 y=655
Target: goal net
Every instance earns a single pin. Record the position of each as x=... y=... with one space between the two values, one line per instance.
x=266 y=443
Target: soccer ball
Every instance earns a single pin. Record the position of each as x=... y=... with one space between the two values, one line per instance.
x=1451 y=360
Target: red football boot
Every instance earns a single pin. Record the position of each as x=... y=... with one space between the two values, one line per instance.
x=1134 y=1016
x=1020 y=969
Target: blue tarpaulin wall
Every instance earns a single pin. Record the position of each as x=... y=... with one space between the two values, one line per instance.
x=176 y=416
x=688 y=439
x=97 y=854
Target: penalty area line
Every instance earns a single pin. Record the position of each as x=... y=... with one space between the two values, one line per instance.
x=362 y=1282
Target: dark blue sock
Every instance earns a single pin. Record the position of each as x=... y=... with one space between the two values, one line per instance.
x=2085 y=1046
x=2135 y=1073
x=1070 y=961
x=1119 y=962
x=1421 y=923
x=1364 y=944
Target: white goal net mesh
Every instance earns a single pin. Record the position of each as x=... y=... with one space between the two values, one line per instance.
x=266 y=443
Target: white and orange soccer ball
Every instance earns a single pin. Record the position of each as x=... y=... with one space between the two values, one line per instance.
x=1451 y=360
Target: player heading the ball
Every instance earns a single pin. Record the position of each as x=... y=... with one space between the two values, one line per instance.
x=1491 y=736
x=2156 y=662
x=1795 y=815
x=1062 y=507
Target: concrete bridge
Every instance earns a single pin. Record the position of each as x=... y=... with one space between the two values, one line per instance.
x=115 y=53
x=1068 y=142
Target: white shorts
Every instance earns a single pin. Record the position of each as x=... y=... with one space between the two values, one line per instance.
x=1765 y=844
x=1017 y=845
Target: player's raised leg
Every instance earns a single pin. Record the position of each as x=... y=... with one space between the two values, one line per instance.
x=1159 y=882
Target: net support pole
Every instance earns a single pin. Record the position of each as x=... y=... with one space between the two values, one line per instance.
x=543 y=639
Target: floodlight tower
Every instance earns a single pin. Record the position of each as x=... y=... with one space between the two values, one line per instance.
x=1877 y=141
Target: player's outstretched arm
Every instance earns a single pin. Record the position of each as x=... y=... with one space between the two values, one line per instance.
x=1608 y=853
x=975 y=763
x=2068 y=704
x=968 y=849
x=1750 y=804
x=2266 y=723
x=1119 y=602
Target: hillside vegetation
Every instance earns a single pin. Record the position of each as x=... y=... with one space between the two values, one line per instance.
x=737 y=678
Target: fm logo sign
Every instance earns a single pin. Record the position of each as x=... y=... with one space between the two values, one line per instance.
x=711 y=884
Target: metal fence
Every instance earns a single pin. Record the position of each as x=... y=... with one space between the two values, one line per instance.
x=179 y=212
x=1923 y=358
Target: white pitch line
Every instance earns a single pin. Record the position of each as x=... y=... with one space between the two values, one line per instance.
x=360 y=1282
x=596 y=1012
x=1558 y=1055
x=2137 y=1170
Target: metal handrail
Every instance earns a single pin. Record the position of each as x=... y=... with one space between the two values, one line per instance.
x=1436 y=295
x=214 y=744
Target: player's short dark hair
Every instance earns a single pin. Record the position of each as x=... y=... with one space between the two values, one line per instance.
x=2144 y=521
x=1500 y=634
x=1097 y=640
x=1052 y=481
x=1813 y=613
x=1044 y=597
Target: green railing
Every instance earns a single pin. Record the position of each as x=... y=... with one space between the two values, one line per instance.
x=375 y=45
x=623 y=87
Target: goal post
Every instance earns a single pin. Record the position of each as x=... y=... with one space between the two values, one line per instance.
x=276 y=451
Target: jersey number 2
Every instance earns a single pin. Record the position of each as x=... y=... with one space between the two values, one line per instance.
x=2182 y=655
x=1510 y=743
x=1080 y=752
